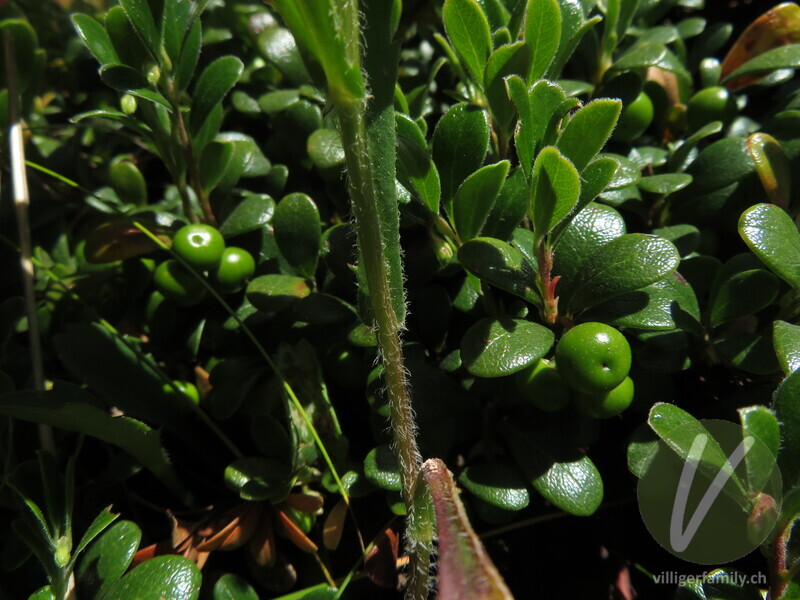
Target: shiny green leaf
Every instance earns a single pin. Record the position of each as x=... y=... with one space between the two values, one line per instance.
x=668 y=183
x=212 y=86
x=743 y=294
x=506 y=60
x=415 y=168
x=380 y=468
x=252 y=213
x=773 y=237
x=468 y=31
x=786 y=404
x=107 y=558
x=782 y=57
x=161 y=578
x=499 y=347
x=460 y=142
x=625 y=264
x=297 y=232
x=501 y=265
x=141 y=17
x=554 y=192
x=497 y=483
x=233 y=587
x=543 y=34
x=587 y=131
x=96 y=38
x=786 y=339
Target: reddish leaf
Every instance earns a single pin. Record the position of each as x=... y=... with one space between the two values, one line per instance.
x=777 y=27
x=334 y=526
x=119 y=239
x=465 y=569
x=381 y=562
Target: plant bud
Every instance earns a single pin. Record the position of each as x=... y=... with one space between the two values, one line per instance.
x=128 y=104
x=762 y=519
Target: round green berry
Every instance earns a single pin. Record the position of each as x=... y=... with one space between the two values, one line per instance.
x=186 y=392
x=609 y=404
x=634 y=119
x=593 y=357
x=199 y=245
x=711 y=104
x=236 y=267
x=178 y=284
x=541 y=385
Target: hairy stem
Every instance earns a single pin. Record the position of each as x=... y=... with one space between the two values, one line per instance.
x=547 y=283
x=368 y=231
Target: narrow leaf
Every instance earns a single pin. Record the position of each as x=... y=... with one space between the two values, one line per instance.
x=212 y=86
x=543 y=34
x=96 y=38
x=555 y=190
x=468 y=31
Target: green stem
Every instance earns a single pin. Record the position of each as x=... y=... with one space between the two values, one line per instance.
x=368 y=231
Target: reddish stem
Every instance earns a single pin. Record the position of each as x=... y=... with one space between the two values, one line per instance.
x=547 y=283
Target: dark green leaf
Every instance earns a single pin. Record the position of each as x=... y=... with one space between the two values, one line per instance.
x=475 y=198
x=499 y=347
x=623 y=265
x=648 y=54
x=501 y=265
x=592 y=228
x=126 y=41
x=678 y=430
x=96 y=38
x=562 y=475
x=297 y=232
x=140 y=16
x=127 y=79
x=510 y=207
x=258 y=479
x=278 y=46
x=468 y=30
x=506 y=60
x=750 y=352
x=587 y=132
x=595 y=178
x=100 y=523
x=233 y=587
x=497 y=483
x=662 y=305
x=678 y=159
x=555 y=190
x=108 y=558
x=761 y=423
x=415 y=168
x=669 y=183
x=70 y=410
x=543 y=34
x=773 y=237
x=325 y=148
x=786 y=404
x=214 y=162
x=252 y=213
x=743 y=294
x=380 y=468
x=782 y=57
x=786 y=338
x=190 y=54
x=460 y=142
x=271 y=293
x=212 y=86
x=161 y=578
x=685 y=237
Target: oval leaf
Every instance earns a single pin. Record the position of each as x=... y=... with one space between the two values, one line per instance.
x=625 y=264
x=297 y=232
x=160 y=578
x=476 y=197
x=468 y=30
x=773 y=237
x=499 y=347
